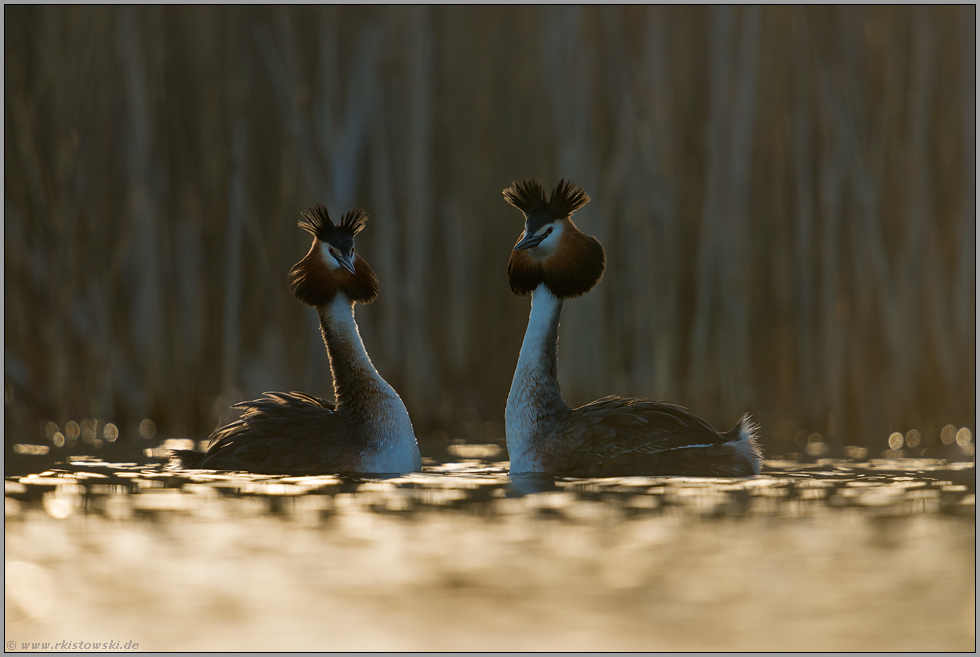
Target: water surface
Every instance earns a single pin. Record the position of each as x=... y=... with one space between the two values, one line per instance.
x=830 y=556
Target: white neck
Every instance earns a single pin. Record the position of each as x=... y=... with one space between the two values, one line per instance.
x=344 y=335
x=535 y=396
x=359 y=388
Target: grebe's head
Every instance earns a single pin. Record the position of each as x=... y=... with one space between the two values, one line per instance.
x=332 y=265
x=552 y=249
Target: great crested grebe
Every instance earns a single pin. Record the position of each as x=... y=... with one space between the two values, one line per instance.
x=368 y=429
x=612 y=436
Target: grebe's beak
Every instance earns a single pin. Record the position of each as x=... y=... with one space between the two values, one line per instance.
x=529 y=241
x=345 y=261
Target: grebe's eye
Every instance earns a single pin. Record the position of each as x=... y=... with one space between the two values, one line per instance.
x=548 y=232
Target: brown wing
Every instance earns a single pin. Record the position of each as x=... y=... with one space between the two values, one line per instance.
x=618 y=436
x=284 y=433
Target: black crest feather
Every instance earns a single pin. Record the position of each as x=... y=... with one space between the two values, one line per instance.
x=317 y=222
x=527 y=196
x=566 y=198
x=354 y=221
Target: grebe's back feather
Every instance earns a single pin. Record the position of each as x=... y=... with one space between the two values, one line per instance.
x=318 y=437
x=616 y=436
x=184 y=459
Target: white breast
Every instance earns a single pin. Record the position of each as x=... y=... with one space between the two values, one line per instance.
x=397 y=448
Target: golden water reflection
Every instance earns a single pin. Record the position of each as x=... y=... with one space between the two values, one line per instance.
x=833 y=556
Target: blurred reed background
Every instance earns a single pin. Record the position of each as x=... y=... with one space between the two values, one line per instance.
x=786 y=197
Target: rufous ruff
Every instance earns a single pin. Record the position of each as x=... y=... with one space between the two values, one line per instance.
x=612 y=436
x=367 y=429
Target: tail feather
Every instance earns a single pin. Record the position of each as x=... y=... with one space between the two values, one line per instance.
x=745 y=429
x=745 y=437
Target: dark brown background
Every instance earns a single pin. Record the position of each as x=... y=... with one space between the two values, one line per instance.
x=785 y=195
